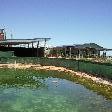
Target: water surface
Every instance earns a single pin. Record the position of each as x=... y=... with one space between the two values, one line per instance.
x=43 y=93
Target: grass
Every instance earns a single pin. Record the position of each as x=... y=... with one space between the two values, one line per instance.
x=26 y=78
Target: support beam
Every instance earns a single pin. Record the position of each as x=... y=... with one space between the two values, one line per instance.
x=65 y=52
x=37 y=48
x=32 y=50
x=45 y=47
x=32 y=44
x=79 y=53
x=70 y=52
x=28 y=45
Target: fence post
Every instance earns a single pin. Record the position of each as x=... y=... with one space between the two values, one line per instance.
x=78 y=68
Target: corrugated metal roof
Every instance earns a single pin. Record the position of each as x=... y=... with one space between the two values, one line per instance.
x=89 y=45
x=22 y=41
x=84 y=46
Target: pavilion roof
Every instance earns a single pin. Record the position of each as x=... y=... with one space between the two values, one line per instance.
x=22 y=41
x=88 y=45
x=84 y=46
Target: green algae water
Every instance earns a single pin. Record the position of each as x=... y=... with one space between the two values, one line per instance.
x=37 y=91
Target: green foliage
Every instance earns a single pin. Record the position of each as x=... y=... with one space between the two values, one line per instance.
x=31 y=78
x=25 y=77
x=19 y=78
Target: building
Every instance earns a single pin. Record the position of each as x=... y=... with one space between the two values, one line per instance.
x=23 y=47
x=87 y=50
x=2 y=34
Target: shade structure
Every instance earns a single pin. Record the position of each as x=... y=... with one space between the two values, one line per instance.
x=22 y=41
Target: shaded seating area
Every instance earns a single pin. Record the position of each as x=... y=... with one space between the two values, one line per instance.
x=32 y=47
x=87 y=50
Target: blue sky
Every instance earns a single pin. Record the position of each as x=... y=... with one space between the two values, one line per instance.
x=65 y=21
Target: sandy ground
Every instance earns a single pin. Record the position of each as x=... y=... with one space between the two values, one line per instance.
x=38 y=67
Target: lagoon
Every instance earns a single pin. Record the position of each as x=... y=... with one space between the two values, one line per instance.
x=35 y=91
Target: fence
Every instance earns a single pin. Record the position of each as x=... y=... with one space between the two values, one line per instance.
x=95 y=68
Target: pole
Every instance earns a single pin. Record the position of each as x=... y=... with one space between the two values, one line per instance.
x=28 y=45
x=32 y=44
x=78 y=66
x=37 y=49
x=45 y=48
x=70 y=52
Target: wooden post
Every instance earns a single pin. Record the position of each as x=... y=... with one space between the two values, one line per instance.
x=28 y=45
x=79 y=53
x=65 y=52
x=32 y=44
x=70 y=53
x=45 y=48
x=32 y=50
x=78 y=66
x=37 y=49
